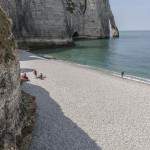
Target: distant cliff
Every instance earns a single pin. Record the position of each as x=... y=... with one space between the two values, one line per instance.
x=57 y=21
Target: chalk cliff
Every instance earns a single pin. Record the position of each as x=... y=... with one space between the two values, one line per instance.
x=17 y=111
x=57 y=21
x=9 y=86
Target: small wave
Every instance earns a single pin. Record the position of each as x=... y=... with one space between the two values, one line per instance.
x=134 y=78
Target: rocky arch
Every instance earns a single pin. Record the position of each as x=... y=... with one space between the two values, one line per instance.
x=75 y=35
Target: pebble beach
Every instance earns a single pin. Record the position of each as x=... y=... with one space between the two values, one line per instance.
x=83 y=109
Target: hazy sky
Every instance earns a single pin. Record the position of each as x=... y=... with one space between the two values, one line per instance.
x=131 y=14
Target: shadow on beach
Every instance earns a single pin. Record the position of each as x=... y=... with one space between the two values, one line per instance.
x=53 y=130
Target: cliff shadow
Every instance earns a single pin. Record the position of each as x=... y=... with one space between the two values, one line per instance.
x=53 y=130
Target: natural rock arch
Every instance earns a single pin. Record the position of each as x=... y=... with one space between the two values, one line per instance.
x=75 y=34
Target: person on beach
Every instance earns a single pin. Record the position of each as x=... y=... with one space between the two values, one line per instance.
x=122 y=74
x=24 y=78
x=35 y=73
x=41 y=76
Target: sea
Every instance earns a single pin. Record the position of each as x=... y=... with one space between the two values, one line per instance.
x=129 y=53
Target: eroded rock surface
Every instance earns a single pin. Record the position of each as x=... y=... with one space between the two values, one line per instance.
x=45 y=21
x=9 y=86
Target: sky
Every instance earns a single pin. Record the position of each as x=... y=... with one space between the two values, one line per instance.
x=131 y=14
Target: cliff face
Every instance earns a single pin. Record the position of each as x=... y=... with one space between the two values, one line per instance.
x=91 y=18
x=9 y=86
x=61 y=19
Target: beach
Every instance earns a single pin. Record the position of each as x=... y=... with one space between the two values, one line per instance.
x=83 y=109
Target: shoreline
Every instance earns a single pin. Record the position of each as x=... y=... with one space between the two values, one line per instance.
x=90 y=108
x=101 y=70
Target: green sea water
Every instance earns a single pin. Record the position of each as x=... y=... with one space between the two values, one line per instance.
x=129 y=53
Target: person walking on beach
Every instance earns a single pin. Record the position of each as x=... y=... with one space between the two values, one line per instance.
x=35 y=73
x=122 y=74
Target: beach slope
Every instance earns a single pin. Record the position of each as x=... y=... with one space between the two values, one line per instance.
x=83 y=109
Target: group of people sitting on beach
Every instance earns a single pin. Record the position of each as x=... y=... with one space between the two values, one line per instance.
x=24 y=76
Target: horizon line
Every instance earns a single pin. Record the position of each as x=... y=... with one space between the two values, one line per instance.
x=136 y=30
